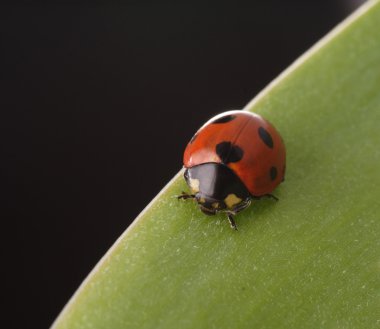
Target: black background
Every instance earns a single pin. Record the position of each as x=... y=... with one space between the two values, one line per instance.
x=97 y=103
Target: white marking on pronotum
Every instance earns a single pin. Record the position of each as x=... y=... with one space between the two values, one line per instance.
x=194 y=184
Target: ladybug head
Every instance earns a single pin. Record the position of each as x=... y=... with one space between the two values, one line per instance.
x=209 y=206
x=215 y=187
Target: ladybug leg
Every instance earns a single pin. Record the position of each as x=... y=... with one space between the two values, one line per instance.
x=234 y=211
x=271 y=196
x=231 y=220
x=266 y=196
x=241 y=206
x=185 y=196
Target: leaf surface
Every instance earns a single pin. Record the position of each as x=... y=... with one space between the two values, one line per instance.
x=311 y=260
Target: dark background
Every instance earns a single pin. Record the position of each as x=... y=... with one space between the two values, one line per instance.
x=97 y=103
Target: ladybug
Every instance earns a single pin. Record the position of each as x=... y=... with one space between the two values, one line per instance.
x=234 y=158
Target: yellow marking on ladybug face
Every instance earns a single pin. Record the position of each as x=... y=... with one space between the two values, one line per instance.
x=194 y=184
x=232 y=200
x=215 y=205
x=202 y=200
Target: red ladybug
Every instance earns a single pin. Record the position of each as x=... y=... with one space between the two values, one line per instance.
x=235 y=157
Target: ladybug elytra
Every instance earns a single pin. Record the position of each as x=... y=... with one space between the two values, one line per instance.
x=232 y=159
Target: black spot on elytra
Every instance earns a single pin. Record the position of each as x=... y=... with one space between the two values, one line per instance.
x=193 y=138
x=266 y=137
x=224 y=119
x=228 y=152
x=273 y=173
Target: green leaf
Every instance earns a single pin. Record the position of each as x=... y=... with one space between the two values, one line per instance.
x=311 y=260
